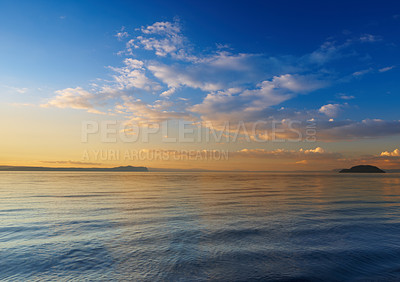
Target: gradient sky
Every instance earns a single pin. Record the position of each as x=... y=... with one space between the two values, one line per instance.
x=334 y=64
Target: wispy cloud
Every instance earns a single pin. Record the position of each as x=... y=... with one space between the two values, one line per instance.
x=23 y=105
x=362 y=72
x=317 y=153
x=385 y=69
x=248 y=105
x=20 y=90
x=165 y=38
x=346 y=97
x=122 y=34
x=229 y=86
x=75 y=98
x=70 y=163
x=175 y=77
x=370 y=38
x=386 y=159
x=133 y=75
x=144 y=113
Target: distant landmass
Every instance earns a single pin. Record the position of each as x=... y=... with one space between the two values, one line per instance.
x=40 y=168
x=363 y=169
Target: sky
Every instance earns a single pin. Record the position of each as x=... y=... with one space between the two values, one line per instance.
x=221 y=85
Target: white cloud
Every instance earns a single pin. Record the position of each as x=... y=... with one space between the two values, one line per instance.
x=249 y=105
x=226 y=60
x=133 y=75
x=164 y=38
x=386 y=69
x=346 y=97
x=362 y=72
x=144 y=113
x=176 y=77
x=298 y=83
x=331 y=110
x=167 y=28
x=75 y=98
x=326 y=52
x=162 y=47
x=214 y=72
x=133 y=63
x=230 y=86
x=168 y=92
x=122 y=34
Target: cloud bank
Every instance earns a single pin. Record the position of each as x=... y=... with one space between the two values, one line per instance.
x=164 y=76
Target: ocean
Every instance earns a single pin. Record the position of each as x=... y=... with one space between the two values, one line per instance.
x=203 y=226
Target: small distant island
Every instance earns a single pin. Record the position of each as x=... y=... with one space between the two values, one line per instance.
x=40 y=168
x=363 y=169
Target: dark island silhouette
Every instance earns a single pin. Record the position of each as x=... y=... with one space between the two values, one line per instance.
x=40 y=168
x=362 y=169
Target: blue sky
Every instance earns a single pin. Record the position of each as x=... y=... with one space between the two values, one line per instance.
x=333 y=61
x=62 y=44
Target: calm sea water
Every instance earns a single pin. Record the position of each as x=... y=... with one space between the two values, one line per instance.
x=199 y=226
